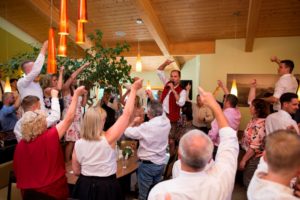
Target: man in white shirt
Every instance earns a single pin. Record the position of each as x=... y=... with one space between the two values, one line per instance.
x=28 y=85
x=279 y=165
x=282 y=119
x=32 y=103
x=153 y=138
x=195 y=180
x=173 y=98
x=286 y=83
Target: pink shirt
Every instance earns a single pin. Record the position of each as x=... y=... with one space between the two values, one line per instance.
x=233 y=116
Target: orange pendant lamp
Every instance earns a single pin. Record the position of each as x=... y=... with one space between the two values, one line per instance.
x=7 y=87
x=62 y=48
x=82 y=11
x=63 y=23
x=51 y=66
x=80 y=33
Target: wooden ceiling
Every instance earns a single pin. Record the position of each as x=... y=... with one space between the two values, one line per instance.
x=171 y=27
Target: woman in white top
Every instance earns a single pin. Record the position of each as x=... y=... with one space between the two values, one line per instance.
x=94 y=157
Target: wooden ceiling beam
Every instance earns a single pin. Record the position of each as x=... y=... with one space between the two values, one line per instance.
x=176 y=49
x=44 y=6
x=252 y=23
x=155 y=28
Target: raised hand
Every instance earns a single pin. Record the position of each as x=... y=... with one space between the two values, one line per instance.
x=220 y=83
x=137 y=84
x=207 y=98
x=54 y=93
x=274 y=58
x=253 y=83
x=80 y=91
x=168 y=62
x=61 y=69
x=44 y=47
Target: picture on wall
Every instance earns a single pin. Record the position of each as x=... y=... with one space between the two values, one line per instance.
x=265 y=85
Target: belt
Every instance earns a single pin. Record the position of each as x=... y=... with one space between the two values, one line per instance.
x=146 y=161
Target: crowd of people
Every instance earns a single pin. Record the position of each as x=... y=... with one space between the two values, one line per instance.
x=201 y=138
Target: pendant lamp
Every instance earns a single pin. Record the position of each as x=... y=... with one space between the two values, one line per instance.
x=63 y=23
x=82 y=11
x=298 y=93
x=138 y=65
x=80 y=33
x=51 y=66
x=234 y=90
x=148 y=87
x=62 y=48
x=7 y=87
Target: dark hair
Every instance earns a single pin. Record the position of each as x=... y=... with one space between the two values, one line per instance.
x=261 y=107
x=24 y=63
x=29 y=101
x=175 y=70
x=289 y=64
x=232 y=99
x=187 y=110
x=287 y=97
x=13 y=80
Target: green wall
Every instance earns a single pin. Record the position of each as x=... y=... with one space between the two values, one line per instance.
x=11 y=46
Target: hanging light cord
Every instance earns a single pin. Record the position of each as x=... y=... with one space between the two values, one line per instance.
x=51 y=5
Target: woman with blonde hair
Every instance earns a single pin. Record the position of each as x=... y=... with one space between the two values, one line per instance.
x=38 y=160
x=94 y=158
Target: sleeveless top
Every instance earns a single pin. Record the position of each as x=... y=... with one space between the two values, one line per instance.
x=97 y=158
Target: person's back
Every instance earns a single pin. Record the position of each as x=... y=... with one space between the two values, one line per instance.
x=277 y=168
x=195 y=181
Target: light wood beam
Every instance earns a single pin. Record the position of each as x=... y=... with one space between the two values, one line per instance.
x=252 y=23
x=155 y=28
x=150 y=48
x=44 y=6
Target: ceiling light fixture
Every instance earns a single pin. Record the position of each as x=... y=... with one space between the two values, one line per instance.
x=138 y=65
x=139 y=21
x=51 y=64
x=234 y=89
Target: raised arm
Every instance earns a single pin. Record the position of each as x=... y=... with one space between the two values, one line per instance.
x=37 y=67
x=275 y=59
x=54 y=115
x=69 y=118
x=160 y=71
x=209 y=100
x=60 y=78
x=224 y=88
x=68 y=83
x=252 y=91
x=114 y=133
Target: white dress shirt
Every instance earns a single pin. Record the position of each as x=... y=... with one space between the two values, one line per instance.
x=182 y=95
x=51 y=119
x=27 y=85
x=268 y=190
x=280 y=120
x=153 y=138
x=215 y=183
x=286 y=83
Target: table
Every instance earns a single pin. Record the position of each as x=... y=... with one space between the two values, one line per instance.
x=131 y=163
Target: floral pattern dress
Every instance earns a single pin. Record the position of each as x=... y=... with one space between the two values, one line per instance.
x=254 y=136
x=73 y=133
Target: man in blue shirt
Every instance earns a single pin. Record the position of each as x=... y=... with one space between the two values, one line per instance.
x=8 y=117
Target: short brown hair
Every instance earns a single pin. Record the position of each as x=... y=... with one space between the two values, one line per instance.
x=28 y=102
x=24 y=63
x=282 y=151
x=175 y=70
